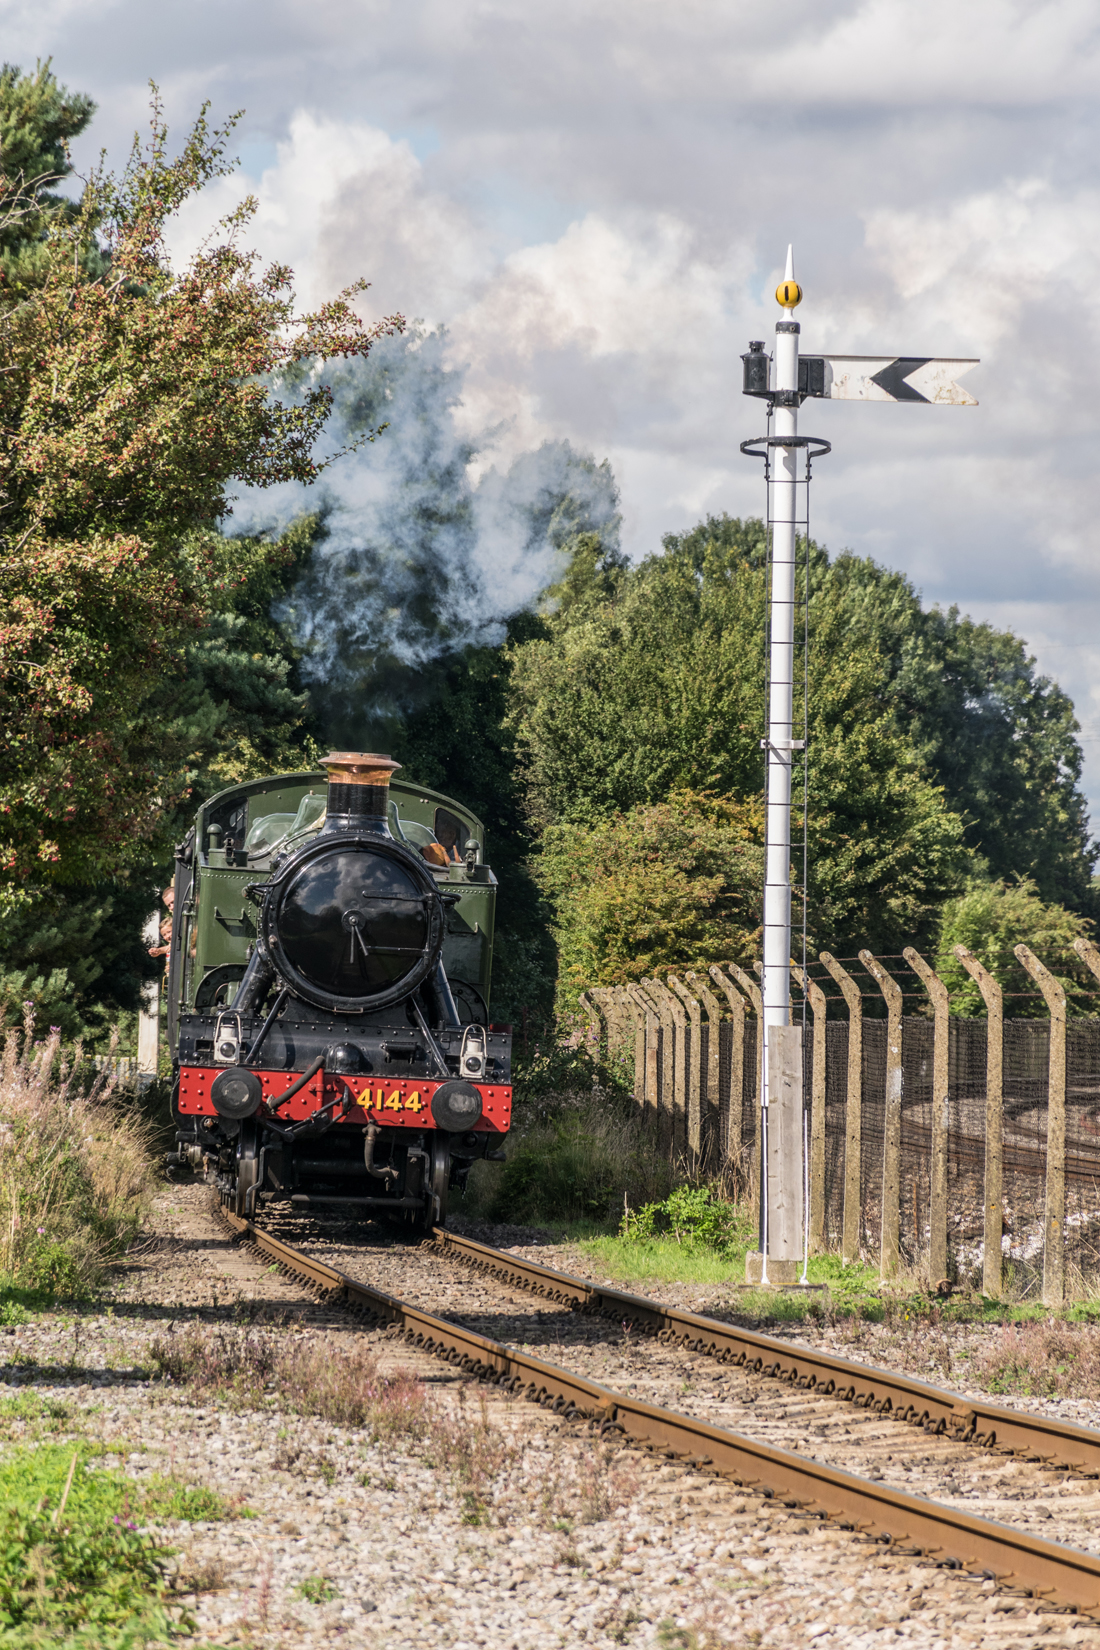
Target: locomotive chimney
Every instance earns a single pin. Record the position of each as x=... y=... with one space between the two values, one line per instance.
x=358 y=791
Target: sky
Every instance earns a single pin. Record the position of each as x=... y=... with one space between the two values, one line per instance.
x=595 y=199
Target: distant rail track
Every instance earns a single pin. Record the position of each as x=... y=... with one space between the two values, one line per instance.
x=942 y=1431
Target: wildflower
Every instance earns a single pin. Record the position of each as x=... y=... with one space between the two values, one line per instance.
x=55 y=1031
x=41 y=1231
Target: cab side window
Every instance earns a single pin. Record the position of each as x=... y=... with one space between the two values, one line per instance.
x=450 y=833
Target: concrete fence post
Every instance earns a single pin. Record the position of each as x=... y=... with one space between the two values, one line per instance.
x=992 y=1258
x=628 y=1033
x=735 y=1120
x=941 y=1045
x=756 y=998
x=1088 y=955
x=672 y=1098
x=711 y=1107
x=692 y=1052
x=853 y=1112
x=820 y=1006
x=1054 y=1237
x=651 y=1086
x=890 y=1235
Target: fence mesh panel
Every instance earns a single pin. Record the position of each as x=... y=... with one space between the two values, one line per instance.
x=1025 y=1077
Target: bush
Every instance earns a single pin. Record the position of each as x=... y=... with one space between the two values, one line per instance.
x=583 y=1161
x=75 y=1168
x=991 y=919
x=694 y=1217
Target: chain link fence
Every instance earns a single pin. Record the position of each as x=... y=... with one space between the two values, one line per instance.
x=997 y=1135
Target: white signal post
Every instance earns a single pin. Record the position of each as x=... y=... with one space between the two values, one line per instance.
x=927 y=379
x=780 y=742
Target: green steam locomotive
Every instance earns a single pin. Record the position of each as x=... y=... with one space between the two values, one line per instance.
x=328 y=983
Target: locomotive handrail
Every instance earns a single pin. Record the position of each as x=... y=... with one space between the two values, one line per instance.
x=261 y=1035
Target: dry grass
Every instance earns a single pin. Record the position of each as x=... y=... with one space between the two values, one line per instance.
x=1042 y=1360
x=315 y=1377
x=76 y=1170
x=499 y=1471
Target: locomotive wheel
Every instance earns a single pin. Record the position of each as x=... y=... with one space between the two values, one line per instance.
x=248 y=1169
x=439 y=1176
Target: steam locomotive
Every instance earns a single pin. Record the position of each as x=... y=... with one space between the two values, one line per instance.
x=328 y=976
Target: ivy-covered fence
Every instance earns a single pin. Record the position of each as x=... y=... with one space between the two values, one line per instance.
x=964 y=1149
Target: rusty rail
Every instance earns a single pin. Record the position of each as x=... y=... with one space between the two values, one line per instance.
x=970 y=1420
x=1060 y=1576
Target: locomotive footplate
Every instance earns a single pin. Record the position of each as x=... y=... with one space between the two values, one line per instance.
x=396 y=1102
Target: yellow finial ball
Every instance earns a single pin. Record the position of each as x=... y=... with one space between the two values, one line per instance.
x=789 y=294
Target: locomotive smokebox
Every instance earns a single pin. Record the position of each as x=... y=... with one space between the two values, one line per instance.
x=358 y=791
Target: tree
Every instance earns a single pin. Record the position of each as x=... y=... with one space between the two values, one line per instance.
x=672 y=884
x=233 y=707
x=76 y=953
x=991 y=919
x=38 y=119
x=999 y=737
x=128 y=405
x=652 y=680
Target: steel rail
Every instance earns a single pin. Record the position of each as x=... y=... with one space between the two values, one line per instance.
x=969 y=1420
x=1060 y=1576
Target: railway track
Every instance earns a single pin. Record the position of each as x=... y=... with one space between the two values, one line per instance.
x=1016 y=1558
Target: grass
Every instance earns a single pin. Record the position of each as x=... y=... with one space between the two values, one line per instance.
x=76 y=1567
x=1041 y=1360
x=584 y=1170
x=316 y=1590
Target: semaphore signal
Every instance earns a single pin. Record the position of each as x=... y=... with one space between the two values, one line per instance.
x=785 y=382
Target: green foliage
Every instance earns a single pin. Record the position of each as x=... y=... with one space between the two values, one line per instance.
x=317 y=1590
x=38 y=120
x=76 y=954
x=990 y=919
x=233 y=708
x=658 y=686
x=75 y=1569
x=128 y=406
x=999 y=738
x=693 y=1217
x=669 y=885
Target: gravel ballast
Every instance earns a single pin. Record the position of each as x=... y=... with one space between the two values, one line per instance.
x=353 y=1541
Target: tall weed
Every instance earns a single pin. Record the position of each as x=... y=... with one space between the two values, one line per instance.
x=76 y=1170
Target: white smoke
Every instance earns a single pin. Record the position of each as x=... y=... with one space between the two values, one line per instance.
x=417 y=560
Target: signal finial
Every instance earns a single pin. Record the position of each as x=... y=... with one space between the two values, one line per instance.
x=788 y=292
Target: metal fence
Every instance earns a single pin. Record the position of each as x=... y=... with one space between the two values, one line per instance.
x=960 y=1148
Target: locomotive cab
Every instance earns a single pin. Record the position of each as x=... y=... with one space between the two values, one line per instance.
x=328 y=979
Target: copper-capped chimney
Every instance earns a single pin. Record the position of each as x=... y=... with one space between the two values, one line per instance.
x=358 y=791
